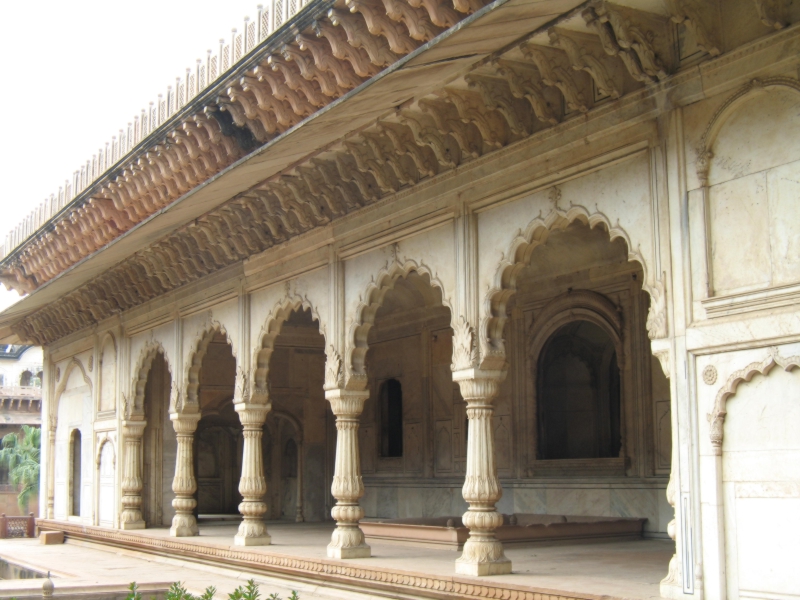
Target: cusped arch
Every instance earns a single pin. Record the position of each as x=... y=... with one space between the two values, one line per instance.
x=191 y=403
x=269 y=333
x=518 y=256
x=372 y=300
x=716 y=418
x=747 y=92
x=147 y=354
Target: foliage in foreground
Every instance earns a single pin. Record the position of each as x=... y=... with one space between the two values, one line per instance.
x=21 y=456
x=178 y=592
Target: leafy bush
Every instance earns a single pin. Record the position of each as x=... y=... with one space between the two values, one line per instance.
x=178 y=592
x=20 y=454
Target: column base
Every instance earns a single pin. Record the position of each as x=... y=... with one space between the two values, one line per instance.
x=262 y=540
x=481 y=569
x=184 y=526
x=347 y=541
x=363 y=551
x=132 y=525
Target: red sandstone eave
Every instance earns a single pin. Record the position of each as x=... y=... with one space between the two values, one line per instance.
x=153 y=196
x=162 y=172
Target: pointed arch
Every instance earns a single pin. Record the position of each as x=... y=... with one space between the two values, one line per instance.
x=269 y=333
x=372 y=300
x=74 y=363
x=518 y=256
x=716 y=418
x=135 y=404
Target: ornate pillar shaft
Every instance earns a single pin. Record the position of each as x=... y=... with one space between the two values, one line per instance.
x=299 y=518
x=483 y=553
x=347 y=540
x=252 y=485
x=132 y=478
x=184 y=485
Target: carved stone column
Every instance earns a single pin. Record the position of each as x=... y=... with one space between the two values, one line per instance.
x=132 y=477
x=483 y=553
x=347 y=540
x=184 y=484
x=252 y=485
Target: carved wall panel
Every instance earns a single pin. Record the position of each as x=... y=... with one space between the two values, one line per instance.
x=75 y=412
x=108 y=376
x=760 y=479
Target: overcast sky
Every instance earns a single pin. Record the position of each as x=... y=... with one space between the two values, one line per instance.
x=78 y=71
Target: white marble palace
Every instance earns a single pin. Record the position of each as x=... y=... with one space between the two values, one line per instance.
x=412 y=259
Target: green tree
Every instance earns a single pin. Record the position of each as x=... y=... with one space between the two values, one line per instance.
x=21 y=455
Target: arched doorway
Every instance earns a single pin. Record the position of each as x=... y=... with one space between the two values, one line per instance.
x=159 y=446
x=297 y=432
x=414 y=423
x=218 y=440
x=589 y=399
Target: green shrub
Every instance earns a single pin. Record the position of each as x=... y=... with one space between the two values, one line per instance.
x=178 y=592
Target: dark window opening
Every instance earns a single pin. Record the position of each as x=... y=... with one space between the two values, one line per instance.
x=391 y=419
x=25 y=378
x=75 y=481
x=578 y=394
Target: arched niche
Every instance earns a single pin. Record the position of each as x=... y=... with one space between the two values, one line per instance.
x=748 y=164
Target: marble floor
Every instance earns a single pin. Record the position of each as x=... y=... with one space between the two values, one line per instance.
x=624 y=569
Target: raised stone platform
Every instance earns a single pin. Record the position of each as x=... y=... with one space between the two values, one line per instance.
x=517 y=529
x=630 y=569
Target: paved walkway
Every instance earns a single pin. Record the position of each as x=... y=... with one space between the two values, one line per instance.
x=83 y=564
x=625 y=569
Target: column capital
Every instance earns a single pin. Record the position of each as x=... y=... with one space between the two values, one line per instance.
x=135 y=428
x=184 y=422
x=251 y=413
x=346 y=403
x=479 y=384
